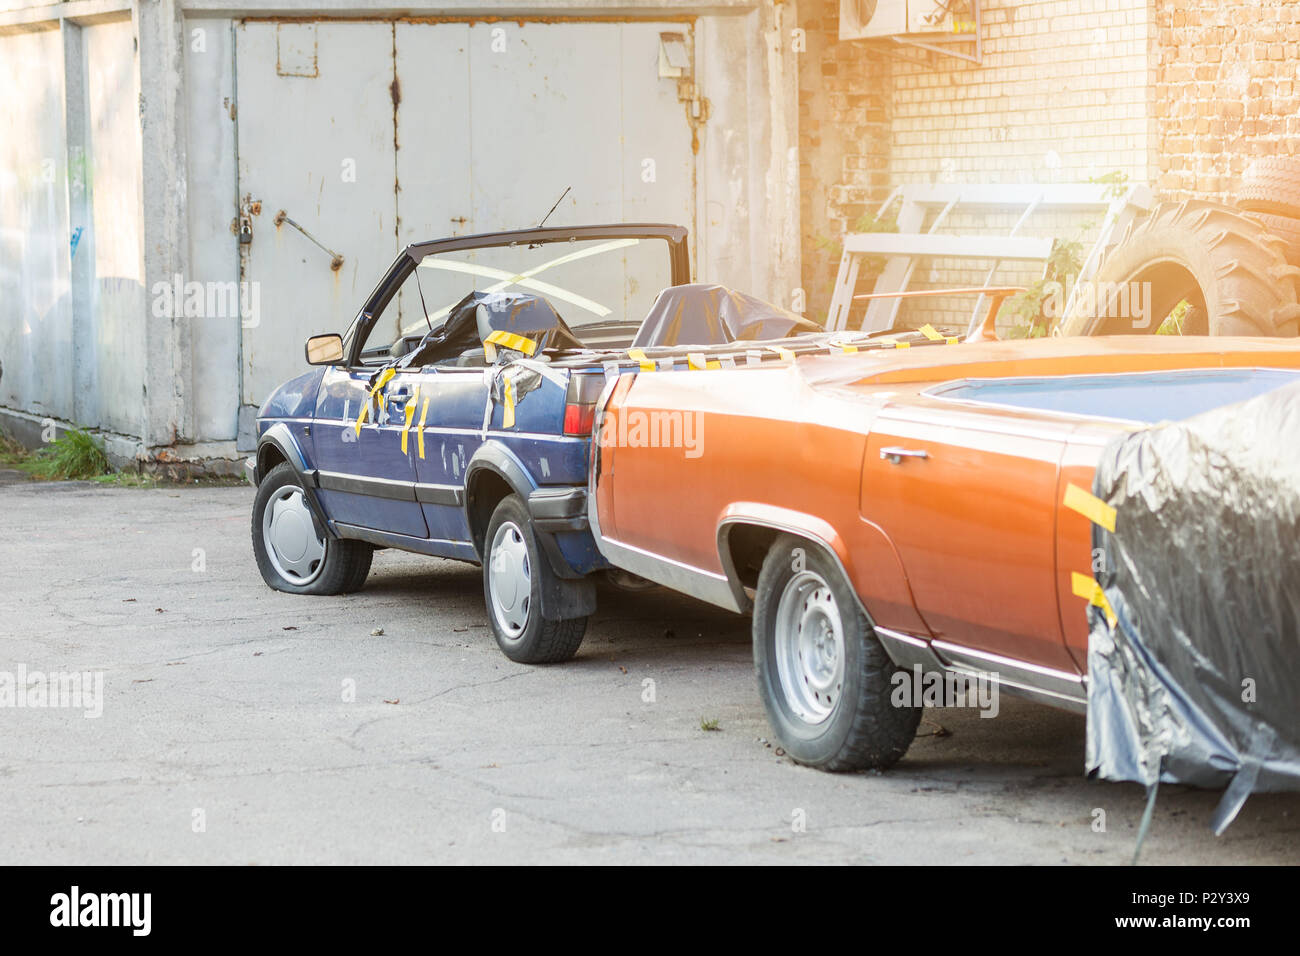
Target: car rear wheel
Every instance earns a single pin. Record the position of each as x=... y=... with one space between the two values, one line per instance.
x=515 y=573
x=293 y=552
x=824 y=678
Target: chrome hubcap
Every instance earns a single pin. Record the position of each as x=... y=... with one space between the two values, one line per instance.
x=809 y=647
x=294 y=547
x=511 y=579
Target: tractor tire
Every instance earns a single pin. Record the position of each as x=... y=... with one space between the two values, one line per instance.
x=1227 y=267
x=1284 y=229
x=1271 y=186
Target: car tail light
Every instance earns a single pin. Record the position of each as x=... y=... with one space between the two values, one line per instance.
x=580 y=403
x=578 y=419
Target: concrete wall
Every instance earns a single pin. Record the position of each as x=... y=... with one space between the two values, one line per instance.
x=134 y=104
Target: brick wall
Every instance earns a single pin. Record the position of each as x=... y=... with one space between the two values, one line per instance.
x=1226 y=90
x=1063 y=95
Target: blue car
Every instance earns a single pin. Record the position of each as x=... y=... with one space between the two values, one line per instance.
x=453 y=418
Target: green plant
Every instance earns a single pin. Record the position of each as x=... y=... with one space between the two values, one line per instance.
x=709 y=724
x=75 y=454
x=1116 y=179
x=1029 y=309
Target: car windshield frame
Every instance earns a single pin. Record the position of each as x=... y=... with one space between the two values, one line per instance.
x=409 y=259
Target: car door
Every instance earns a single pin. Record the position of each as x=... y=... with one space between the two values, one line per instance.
x=365 y=477
x=451 y=402
x=969 y=499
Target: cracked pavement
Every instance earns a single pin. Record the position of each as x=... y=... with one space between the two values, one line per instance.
x=224 y=697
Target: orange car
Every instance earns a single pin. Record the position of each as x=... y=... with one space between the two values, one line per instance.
x=895 y=509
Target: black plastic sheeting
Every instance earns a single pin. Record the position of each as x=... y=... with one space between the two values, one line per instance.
x=702 y=314
x=1198 y=681
x=479 y=314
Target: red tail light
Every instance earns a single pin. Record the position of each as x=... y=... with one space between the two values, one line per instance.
x=578 y=419
x=580 y=402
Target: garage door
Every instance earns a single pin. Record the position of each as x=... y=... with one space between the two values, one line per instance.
x=357 y=138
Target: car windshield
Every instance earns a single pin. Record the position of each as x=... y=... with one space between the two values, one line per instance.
x=588 y=282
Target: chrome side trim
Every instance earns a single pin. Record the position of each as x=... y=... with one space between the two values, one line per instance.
x=686 y=578
x=1046 y=685
x=1064 y=683
x=907 y=650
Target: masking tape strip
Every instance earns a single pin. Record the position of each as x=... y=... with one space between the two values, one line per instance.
x=384 y=378
x=1086 y=587
x=638 y=356
x=419 y=434
x=509 y=340
x=508 y=404
x=698 y=362
x=930 y=332
x=753 y=357
x=786 y=354
x=410 y=415
x=1090 y=506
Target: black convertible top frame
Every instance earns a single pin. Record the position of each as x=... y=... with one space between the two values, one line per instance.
x=411 y=256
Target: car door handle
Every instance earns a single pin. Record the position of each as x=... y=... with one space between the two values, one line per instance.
x=895 y=455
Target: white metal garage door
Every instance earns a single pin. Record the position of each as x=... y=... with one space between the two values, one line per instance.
x=370 y=135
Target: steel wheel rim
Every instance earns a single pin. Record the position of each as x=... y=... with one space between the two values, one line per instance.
x=511 y=580
x=809 y=646
x=295 y=547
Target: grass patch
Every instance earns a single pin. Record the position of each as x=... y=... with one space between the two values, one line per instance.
x=709 y=724
x=76 y=454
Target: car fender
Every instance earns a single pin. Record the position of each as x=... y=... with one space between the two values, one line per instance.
x=573 y=594
x=281 y=439
x=890 y=595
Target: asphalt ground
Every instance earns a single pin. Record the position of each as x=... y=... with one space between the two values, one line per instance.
x=244 y=726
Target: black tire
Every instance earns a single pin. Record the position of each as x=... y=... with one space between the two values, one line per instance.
x=538 y=640
x=345 y=564
x=1271 y=186
x=1285 y=231
x=1224 y=264
x=863 y=729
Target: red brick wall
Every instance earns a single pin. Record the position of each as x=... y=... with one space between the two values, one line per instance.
x=1226 y=90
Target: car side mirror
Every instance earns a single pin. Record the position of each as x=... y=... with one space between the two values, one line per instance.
x=325 y=349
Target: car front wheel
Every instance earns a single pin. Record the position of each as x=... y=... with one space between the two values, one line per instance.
x=823 y=675
x=514 y=575
x=293 y=552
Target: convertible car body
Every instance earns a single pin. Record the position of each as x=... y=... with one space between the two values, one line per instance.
x=897 y=508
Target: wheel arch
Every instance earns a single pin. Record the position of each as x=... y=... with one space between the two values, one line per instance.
x=278 y=446
x=747 y=531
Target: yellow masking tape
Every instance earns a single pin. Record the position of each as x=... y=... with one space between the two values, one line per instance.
x=1086 y=587
x=931 y=333
x=509 y=340
x=385 y=377
x=419 y=434
x=786 y=354
x=846 y=349
x=697 y=362
x=410 y=414
x=508 y=408
x=638 y=356
x=1090 y=506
